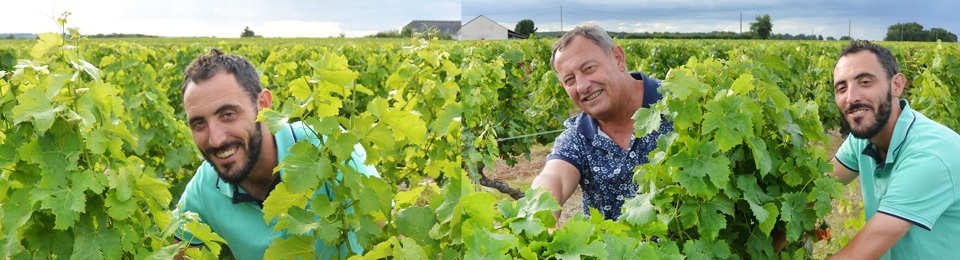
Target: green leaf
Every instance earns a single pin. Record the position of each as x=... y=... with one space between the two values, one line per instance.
x=305 y=168
x=47 y=42
x=415 y=223
x=700 y=249
x=301 y=221
x=712 y=218
x=406 y=124
x=411 y=250
x=688 y=112
x=647 y=121
x=66 y=204
x=767 y=224
x=300 y=89
x=698 y=160
x=532 y=226
x=730 y=123
x=280 y=201
x=448 y=118
x=203 y=233
x=682 y=83
x=573 y=242
x=638 y=210
x=794 y=206
x=760 y=155
x=483 y=244
x=95 y=240
x=825 y=190
x=119 y=209
x=275 y=120
x=290 y=248
x=480 y=206
x=167 y=252
x=743 y=84
x=34 y=104
x=90 y=69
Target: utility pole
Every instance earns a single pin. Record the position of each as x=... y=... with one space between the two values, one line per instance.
x=741 y=22
x=561 y=18
x=849 y=25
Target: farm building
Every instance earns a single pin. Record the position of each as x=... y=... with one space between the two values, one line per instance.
x=482 y=28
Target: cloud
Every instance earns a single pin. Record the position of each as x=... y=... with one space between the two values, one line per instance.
x=299 y=29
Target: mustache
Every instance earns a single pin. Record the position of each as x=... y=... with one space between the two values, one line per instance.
x=224 y=147
x=857 y=106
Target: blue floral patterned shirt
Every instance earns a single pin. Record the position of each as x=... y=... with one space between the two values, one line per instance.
x=606 y=170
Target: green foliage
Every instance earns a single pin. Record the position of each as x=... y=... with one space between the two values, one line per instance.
x=93 y=148
x=248 y=33
x=525 y=27
x=762 y=27
x=914 y=32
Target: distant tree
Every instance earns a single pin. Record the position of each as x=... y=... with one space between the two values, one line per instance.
x=10 y=37
x=407 y=32
x=830 y=38
x=762 y=27
x=942 y=35
x=906 y=32
x=845 y=38
x=248 y=33
x=820 y=37
x=525 y=27
x=915 y=32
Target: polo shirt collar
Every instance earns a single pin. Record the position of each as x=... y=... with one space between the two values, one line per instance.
x=900 y=131
x=588 y=125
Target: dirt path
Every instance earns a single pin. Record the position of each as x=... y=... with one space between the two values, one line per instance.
x=522 y=174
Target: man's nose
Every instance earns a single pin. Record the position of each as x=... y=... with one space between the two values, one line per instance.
x=218 y=134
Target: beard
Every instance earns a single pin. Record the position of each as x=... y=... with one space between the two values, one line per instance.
x=880 y=118
x=255 y=143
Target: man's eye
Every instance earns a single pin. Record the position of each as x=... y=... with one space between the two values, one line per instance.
x=228 y=115
x=568 y=81
x=197 y=124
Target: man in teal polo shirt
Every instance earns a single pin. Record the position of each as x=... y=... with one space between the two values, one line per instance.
x=222 y=96
x=908 y=164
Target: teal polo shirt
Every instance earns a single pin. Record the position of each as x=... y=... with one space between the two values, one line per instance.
x=918 y=182
x=237 y=217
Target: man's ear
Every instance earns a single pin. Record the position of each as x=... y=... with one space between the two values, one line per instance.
x=899 y=82
x=621 y=58
x=264 y=99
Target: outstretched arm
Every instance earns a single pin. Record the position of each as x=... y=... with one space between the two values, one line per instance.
x=560 y=178
x=876 y=238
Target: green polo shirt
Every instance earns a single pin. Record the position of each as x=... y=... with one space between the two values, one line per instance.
x=918 y=182
x=237 y=217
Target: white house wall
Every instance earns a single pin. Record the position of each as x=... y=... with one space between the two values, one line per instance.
x=483 y=29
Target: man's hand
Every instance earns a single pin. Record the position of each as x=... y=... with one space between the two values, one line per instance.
x=560 y=178
x=876 y=238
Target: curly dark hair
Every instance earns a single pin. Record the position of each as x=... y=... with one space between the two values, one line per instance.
x=886 y=58
x=206 y=66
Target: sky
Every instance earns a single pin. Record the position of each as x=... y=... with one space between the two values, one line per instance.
x=865 y=19
x=219 y=18
x=862 y=19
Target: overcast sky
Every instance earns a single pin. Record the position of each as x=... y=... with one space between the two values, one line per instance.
x=354 y=18
x=275 y=18
x=866 y=19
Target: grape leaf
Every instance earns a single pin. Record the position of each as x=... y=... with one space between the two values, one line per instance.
x=280 y=201
x=700 y=249
x=305 y=168
x=290 y=248
x=415 y=223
